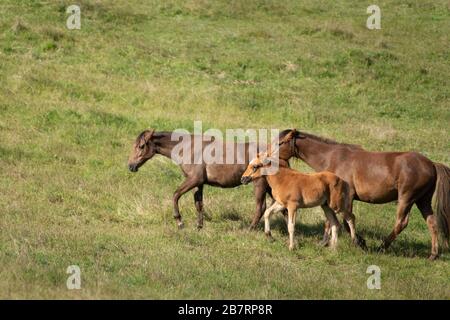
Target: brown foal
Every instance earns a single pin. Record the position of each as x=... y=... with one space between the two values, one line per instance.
x=380 y=177
x=293 y=190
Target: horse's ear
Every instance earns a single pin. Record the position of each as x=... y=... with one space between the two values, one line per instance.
x=146 y=137
x=290 y=135
x=297 y=134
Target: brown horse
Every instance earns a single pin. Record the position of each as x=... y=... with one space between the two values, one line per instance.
x=380 y=177
x=293 y=190
x=149 y=143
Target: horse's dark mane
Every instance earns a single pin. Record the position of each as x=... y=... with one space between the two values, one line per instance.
x=159 y=134
x=320 y=139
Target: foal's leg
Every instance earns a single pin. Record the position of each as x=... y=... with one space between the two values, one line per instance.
x=403 y=209
x=275 y=207
x=187 y=185
x=424 y=205
x=292 y=212
x=326 y=234
x=198 y=199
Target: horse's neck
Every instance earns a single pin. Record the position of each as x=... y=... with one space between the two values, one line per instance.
x=316 y=153
x=164 y=145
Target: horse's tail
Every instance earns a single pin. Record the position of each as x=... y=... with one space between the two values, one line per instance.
x=442 y=200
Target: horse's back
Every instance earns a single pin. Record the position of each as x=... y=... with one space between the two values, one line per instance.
x=378 y=177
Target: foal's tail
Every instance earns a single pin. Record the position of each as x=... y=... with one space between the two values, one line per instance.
x=442 y=200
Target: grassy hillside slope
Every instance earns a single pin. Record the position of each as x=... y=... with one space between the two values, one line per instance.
x=72 y=101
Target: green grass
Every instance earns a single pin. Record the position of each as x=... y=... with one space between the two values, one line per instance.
x=71 y=103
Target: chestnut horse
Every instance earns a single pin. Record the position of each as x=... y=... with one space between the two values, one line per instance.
x=380 y=177
x=149 y=143
x=292 y=189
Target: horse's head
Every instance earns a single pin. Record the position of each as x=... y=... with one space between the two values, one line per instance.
x=287 y=147
x=253 y=170
x=143 y=149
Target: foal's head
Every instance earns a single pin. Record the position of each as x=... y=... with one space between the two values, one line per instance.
x=143 y=149
x=253 y=170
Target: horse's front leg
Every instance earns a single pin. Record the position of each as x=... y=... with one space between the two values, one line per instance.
x=260 y=189
x=198 y=199
x=275 y=207
x=187 y=185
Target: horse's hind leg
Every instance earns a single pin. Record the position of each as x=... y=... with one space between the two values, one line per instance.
x=333 y=222
x=403 y=209
x=198 y=199
x=350 y=226
x=424 y=205
x=356 y=239
x=187 y=185
x=326 y=234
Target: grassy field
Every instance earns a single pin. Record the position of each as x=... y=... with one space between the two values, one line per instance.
x=72 y=102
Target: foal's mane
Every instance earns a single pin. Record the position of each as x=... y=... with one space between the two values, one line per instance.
x=300 y=134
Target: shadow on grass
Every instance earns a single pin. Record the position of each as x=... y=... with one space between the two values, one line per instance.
x=399 y=248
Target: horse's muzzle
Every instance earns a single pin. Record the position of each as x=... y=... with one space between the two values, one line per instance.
x=133 y=167
x=246 y=180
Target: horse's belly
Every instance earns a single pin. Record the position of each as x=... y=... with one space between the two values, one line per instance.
x=377 y=195
x=375 y=184
x=225 y=176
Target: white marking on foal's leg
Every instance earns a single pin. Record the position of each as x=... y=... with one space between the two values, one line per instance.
x=267 y=222
x=291 y=228
x=334 y=235
x=275 y=207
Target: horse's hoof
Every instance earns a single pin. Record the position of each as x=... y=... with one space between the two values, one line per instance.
x=180 y=225
x=199 y=227
x=324 y=242
x=360 y=242
x=207 y=216
x=433 y=257
x=269 y=236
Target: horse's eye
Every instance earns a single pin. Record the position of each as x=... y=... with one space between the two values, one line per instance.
x=142 y=146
